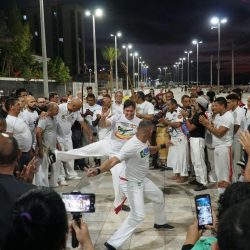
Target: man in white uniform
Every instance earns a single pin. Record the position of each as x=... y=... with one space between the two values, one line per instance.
x=117 y=106
x=135 y=153
x=222 y=135
x=144 y=109
x=30 y=117
x=20 y=130
x=47 y=143
x=68 y=114
x=123 y=127
x=239 y=125
x=178 y=153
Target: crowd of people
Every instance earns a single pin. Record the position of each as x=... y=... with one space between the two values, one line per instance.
x=44 y=141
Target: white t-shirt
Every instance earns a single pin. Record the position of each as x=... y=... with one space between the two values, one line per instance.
x=49 y=127
x=136 y=155
x=122 y=130
x=239 y=119
x=20 y=131
x=225 y=120
x=102 y=132
x=117 y=109
x=93 y=108
x=175 y=116
x=65 y=120
x=30 y=118
x=145 y=108
x=247 y=118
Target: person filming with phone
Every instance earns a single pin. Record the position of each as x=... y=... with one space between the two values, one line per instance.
x=40 y=222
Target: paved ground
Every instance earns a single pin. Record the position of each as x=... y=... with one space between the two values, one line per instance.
x=179 y=208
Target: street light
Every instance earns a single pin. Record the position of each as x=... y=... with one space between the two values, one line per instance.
x=44 y=51
x=197 y=42
x=188 y=55
x=127 y=47
x=182 y=66
x=118 y=34
x=216 y=24
x=135 y=54
x=96 y=13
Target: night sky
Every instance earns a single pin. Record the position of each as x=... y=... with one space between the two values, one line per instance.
x=161 y=30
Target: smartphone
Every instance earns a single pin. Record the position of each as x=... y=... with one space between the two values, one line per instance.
x=203 y=210
x=79 y=203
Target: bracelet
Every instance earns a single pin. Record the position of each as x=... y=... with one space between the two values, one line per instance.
x=98 y=170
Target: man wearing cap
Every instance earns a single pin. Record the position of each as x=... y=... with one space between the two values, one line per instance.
x=197 y=142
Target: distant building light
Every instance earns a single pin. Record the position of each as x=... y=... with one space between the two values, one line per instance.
x=54 y=13
x=25 y=17
x=36 y=33
x=61 y=39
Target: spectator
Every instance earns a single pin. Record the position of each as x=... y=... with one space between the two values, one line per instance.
x=11 y=188
x=41 y=104
x=54 y=97
x=20 y=130
x=22 y=92
x=144 y=109
x=239 y=125
x=3 y=125
x=3 y=111
x=222 y=136
x=197 y=142
x=89 y=90
x=40 y=222
x=117 y=106
x=46 y=134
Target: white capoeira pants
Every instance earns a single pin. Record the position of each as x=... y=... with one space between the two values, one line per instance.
x=42 y=174
x=197 y=147
x=67 y=168
x=210 y=157
x=178 y=157
x=237 y=156
x=223 y=164
x=100 y=148
x=135 y=193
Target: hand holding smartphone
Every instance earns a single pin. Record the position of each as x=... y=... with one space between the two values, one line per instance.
x=203 y=210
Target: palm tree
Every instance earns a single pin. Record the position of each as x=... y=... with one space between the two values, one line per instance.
x=108 y=54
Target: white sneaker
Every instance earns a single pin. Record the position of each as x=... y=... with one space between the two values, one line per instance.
x=75 y=177
x=63 y=183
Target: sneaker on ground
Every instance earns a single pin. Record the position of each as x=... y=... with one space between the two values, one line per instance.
x=76 y=177
x=125 y=208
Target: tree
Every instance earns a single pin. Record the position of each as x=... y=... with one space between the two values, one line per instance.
x=108 y=54
x=58 y=71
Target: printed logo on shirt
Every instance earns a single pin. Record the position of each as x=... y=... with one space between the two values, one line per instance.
x=144 y=152
x=125 y=131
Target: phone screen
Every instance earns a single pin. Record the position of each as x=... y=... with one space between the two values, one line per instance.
x=82 y=203
x=204 y=210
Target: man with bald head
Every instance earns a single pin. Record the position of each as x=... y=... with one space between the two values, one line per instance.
x=46 y=134
x=30 y=117
x=11 y=188
x=68 y=114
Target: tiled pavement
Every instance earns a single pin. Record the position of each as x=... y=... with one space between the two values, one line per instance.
x=179 y=208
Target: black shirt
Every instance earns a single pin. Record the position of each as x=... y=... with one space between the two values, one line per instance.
x=200 y=129
x=10 y=190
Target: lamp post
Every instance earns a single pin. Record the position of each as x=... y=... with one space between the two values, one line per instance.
x=118 y=34
x=182 y=59
x=97 y=13
x=135 y=54
x=216 y=24
x=138 y=73
x=44 y=52
x=175 y=73
x=188 y=56
x=197 y=42
x=127 y=47
x=146 y=74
